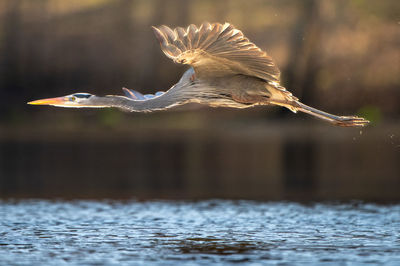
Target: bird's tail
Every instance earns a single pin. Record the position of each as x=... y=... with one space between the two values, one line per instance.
x=344 y=121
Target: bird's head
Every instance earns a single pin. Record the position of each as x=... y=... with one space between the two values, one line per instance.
x=76 y=100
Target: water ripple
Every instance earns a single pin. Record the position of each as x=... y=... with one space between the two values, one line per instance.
x=215 y=231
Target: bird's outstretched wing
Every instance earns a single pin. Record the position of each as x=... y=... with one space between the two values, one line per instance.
x=216 y=50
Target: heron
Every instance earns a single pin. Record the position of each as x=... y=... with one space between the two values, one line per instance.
x=226 y=70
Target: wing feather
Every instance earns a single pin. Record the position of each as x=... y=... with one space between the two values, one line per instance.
x=191 y=32
x=168 y=33
x=179 y=38
x=216 y=50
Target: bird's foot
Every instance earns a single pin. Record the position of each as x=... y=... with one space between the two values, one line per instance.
x=351 y=121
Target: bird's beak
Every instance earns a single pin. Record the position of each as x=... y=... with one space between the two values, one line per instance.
x=49 y=101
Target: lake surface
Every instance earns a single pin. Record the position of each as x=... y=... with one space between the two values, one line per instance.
x=41 y=232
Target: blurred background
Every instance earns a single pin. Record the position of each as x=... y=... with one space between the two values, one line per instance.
x=339 y=56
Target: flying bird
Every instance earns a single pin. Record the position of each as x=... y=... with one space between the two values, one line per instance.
x=226 y=70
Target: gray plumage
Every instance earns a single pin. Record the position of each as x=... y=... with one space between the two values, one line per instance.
x=227 y=70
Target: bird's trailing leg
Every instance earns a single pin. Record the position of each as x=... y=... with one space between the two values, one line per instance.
x=344 y=121
x=282 y=97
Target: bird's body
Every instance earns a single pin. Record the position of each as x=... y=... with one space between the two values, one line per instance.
x=227 y=70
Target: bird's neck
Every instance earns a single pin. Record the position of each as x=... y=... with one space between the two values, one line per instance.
x=126 y=104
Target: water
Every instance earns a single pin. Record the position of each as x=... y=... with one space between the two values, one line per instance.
x=42 y=232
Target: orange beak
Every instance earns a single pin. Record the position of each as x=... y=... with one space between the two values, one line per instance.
x=49 y=101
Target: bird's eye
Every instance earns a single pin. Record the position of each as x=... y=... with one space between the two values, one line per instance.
x=73 y=98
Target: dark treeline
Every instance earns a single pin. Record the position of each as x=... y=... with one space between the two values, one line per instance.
x=341 y=56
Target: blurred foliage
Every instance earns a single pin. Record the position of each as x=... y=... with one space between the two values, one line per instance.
x=378 y=9
x=371 y=113
x=110 y=117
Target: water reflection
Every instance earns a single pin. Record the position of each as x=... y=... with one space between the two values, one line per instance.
x=114 y=232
